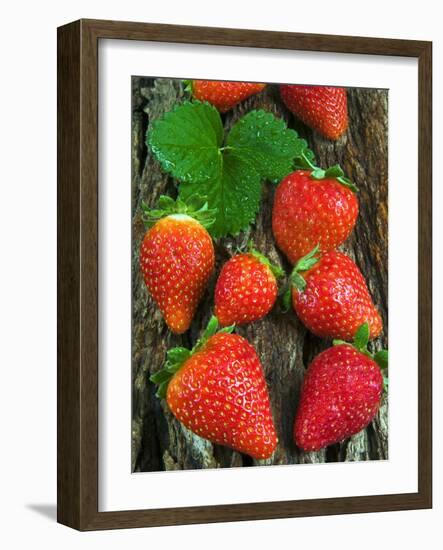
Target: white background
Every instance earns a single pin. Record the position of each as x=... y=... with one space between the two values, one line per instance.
x=28 y=276
x=118 y=489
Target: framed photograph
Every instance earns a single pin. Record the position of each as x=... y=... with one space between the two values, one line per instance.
x=244 y=231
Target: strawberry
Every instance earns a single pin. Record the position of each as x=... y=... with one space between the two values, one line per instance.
x=246 y=288
x=177 y=259
x=331 y=297
x=313 y=207
x=218 y=391
x=223 y=95
x=323 y=108
x=341 y=394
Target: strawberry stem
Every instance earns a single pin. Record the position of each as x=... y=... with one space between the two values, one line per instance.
x=176 y=357
x=196 y=207
x=303 y=161
x=318 y=173
x=334 y=172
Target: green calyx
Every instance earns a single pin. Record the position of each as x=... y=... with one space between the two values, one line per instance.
x=296 y=279
x=335 y=172
x=176 y=357
x=276 y=270
x=360 y=343
x=285 y=299
x=303 y=264
x=188 y=86
x=196 y=207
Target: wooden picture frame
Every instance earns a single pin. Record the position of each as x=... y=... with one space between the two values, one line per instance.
x=78 y=274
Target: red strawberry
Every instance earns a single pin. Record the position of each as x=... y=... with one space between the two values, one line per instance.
x=223 y=95
x=246 y=289
x=341 y=394
x=323 y=108
x=313 y=208
x=331 y=297
x=218 y=390
x=177 y=260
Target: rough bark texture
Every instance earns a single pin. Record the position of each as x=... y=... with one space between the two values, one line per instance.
x=285 y=347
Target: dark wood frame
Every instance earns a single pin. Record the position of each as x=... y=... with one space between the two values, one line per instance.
x=77 y=456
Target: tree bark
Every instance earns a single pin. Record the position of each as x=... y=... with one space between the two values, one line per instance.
x=285 y=347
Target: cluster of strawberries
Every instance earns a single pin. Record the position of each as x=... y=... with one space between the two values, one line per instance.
x=218 y=389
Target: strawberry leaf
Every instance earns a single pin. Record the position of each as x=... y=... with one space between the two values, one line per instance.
x=337 y=342
x=334 y=172
x=162 y=389
x=160 y=376
x=235 y=195
x=298 y=281
x=178 y=355
x=361 y=337
x=211 y=329
x=381 y=358
x=286 y=299
x=303 y=264
x=227 y=330
x=187 y=141
x=308 y=261
x=266 y=143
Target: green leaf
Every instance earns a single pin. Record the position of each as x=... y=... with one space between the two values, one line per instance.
x=361 y=337
x=332 y=172
x=235 y=194
x=307 y=261
x=303 y=264
x=286 y=300
x=227 y=330
x=160 y=376
x=339 y=342
x=165 y=202
x=348 y=183
x=267 y=144
x=187 y=86
x=211 y=329
x=298 y=281
x=187 y=141
x=381 y=358
x=162 y=389
x=178 y=355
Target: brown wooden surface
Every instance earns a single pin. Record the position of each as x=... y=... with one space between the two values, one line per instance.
x=285 y=347
x=252 y=38
x=68 y=276
x=77 y=275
